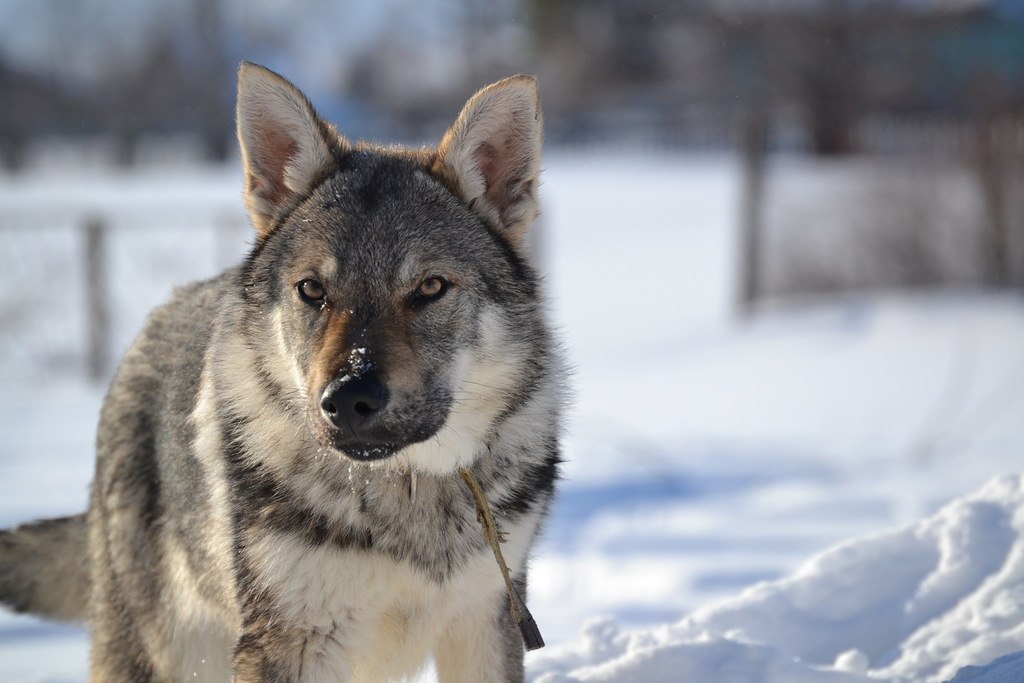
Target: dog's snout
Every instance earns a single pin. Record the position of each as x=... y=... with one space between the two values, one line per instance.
x=349 y=402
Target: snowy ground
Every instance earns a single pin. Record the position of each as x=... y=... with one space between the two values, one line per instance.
x=910 y=605
x=706 y=454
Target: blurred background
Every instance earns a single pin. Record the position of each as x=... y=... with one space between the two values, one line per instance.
x=784 y=245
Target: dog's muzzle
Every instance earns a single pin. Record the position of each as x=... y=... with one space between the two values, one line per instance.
x=353 y=406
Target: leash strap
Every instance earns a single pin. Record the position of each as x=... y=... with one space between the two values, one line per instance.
x=520 y=614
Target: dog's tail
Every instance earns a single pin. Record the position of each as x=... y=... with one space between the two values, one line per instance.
x=44 y=568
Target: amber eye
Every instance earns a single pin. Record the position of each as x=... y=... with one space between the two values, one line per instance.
x=311 y=291
x=431 y=289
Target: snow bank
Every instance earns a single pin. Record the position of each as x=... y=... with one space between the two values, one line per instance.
x=1007 y=669
x=916 y=604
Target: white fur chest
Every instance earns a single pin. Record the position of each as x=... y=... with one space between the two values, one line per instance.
x=373 y=618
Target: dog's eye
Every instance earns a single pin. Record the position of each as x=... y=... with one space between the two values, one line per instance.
x=311 y=291
x=431 y=289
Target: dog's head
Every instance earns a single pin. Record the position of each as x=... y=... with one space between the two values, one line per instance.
x=393 y=283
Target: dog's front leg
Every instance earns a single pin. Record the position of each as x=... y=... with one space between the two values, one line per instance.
x=268 y=653
x=272 y=651
x=482 y=645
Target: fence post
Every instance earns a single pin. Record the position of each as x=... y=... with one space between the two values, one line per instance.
x=753 y=143
x=96 y=300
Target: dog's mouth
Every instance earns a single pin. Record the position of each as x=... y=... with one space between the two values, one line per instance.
x=377 y=449
x=367 y=452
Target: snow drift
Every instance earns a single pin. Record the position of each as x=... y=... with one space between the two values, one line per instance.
x=916 y=604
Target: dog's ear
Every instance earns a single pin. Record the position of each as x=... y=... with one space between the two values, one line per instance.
x=286 y=148
x=491 y=154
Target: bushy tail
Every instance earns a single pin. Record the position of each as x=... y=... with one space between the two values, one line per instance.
x=44 y=568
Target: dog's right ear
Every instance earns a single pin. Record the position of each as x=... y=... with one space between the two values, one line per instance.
x=286 y=148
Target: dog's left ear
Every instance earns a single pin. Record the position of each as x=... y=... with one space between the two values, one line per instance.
x=491 y=155
x=286 y=148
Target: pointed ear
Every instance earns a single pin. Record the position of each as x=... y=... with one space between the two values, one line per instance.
x=491 y=155
x=286 y=148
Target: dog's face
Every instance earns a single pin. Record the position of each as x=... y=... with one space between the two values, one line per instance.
x=379 y=280
x=391 y=281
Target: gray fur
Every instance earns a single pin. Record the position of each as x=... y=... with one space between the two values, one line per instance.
x=41 y=568
x=232 y=531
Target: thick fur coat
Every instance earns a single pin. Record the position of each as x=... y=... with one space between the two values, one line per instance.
x=276 y=495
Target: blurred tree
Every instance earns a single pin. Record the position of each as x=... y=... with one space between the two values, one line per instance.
x=419 y=78
x=985 y=59
x=212 y=79
x=827 y=57
x=33 y=106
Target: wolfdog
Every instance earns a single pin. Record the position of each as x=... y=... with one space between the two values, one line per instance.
x=289 y=456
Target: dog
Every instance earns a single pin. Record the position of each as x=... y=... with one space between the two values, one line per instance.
x=283 y=455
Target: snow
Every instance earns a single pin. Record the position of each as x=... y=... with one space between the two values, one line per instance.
x=1006 y=669
x=915 y=604
x=708 y=456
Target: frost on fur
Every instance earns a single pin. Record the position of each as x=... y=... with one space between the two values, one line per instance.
x=492 y=153
x=285 y=146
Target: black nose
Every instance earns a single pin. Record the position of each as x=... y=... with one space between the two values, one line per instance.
x=353 y=401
